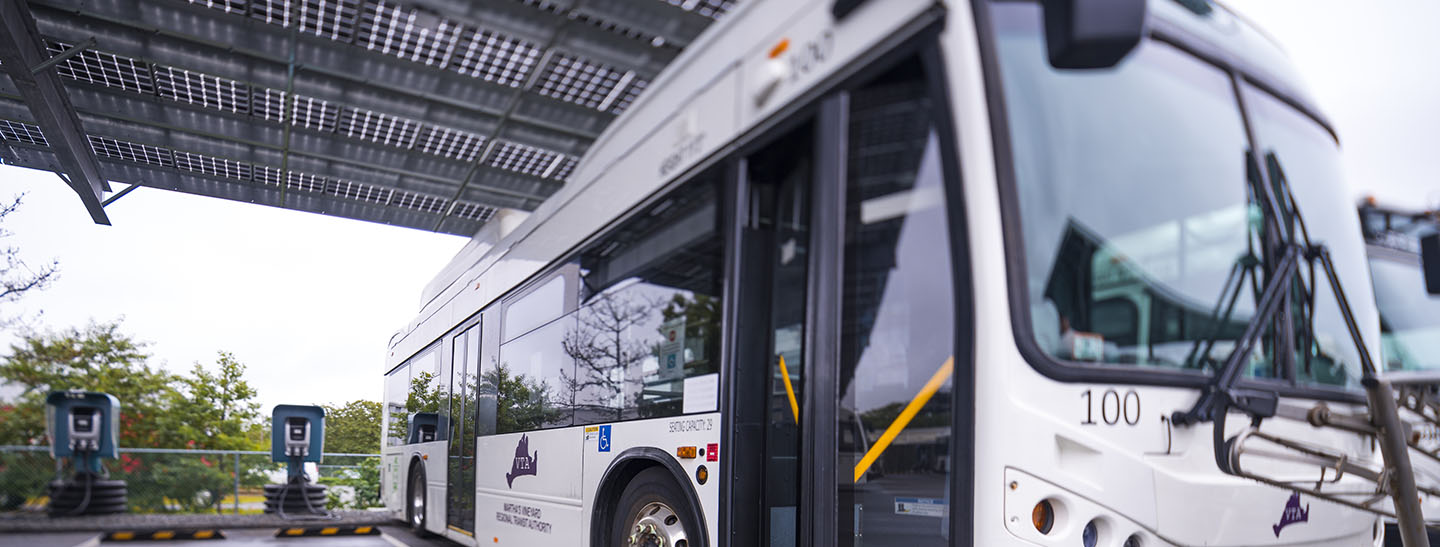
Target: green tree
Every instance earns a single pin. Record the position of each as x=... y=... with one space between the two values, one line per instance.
x=158 y=409
x=353 y=427
x=364 y=478
x=214 y=410
x=97 y=357
x=209 y=411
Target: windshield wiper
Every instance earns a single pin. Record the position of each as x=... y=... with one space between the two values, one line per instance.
x=1287 y=237
x=1220 y=393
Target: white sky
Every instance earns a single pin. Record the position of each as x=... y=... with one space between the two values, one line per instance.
x=1372 y=67
x=309 y=302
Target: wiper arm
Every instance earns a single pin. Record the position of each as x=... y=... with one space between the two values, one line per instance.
x=1224 y=309
x=1221 y=394
x=1292 y=241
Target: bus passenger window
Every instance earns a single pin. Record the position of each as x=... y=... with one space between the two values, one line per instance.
x=536 y=308
x=426 y=391
x=530 y=380
x=487 y=392
x=397 y=421
x=651 y=311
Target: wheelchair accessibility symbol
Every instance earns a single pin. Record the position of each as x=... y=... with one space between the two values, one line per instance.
x=604 y=438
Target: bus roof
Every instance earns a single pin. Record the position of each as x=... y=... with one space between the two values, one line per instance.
x=705 y=99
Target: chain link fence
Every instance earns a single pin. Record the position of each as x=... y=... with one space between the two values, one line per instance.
x=191 y=481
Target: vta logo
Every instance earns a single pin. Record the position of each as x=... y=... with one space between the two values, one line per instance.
x=525 y=462
x=1293 y=514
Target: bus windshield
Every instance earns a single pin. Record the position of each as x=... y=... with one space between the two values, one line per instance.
x=1136 y=195
x=1409 y=317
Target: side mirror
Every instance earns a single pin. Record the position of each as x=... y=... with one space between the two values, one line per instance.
x=1092 y=33
x=1430 y=262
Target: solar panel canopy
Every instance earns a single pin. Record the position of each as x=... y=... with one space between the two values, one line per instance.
x=430 y=114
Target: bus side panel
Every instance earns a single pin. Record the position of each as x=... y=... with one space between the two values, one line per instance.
x=503 y=518
x=603 y=443
x=528 y=487
x=392 y=480
x=433 y=459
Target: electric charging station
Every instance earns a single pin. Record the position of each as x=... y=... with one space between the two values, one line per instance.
x=297 y=437
x=82 y=431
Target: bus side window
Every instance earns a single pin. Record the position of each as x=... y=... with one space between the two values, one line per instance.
x=532 y=372
x=397 y=421
x=425 y=391
x=651 y=311
x=487 y=392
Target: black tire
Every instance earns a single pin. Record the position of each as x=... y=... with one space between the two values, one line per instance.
x=298 y=498
x=649 y=487
x=416 y=497
x=104 y=497
x=72 y=499
x=272 y=491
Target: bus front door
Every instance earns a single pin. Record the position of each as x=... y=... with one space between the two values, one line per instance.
x=460 y=470
x=769 y=385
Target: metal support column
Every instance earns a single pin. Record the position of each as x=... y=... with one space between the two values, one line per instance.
x=23 y=52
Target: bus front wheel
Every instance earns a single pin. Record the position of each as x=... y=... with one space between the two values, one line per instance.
x=415 y=506
x=653 y=512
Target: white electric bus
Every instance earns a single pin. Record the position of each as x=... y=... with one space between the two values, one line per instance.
x=1409 y=313
x=1409 y=318
x=919 y=272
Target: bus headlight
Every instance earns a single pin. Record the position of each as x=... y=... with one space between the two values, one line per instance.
x=1058 y=517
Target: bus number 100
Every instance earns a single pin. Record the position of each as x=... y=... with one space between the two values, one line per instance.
x=1113 y=407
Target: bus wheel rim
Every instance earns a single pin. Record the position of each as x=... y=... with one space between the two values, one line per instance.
x=417 y=503
x=657 y=525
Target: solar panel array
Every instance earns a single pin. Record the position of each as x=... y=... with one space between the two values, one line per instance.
x=495 y=137
x=422 y=36
x=233 y=96
x=708 y=8
x=27 y=133
x=132 y=152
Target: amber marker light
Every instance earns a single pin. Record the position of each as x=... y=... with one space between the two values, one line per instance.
x=1043 y=516
x=687 y=452
x=780 y=48
x=702 y=475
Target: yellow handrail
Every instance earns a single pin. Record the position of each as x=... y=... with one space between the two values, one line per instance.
x=904 y=418
x=789 y=390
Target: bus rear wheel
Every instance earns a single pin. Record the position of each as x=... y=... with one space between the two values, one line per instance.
x=653 y=512
x=415 y=506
